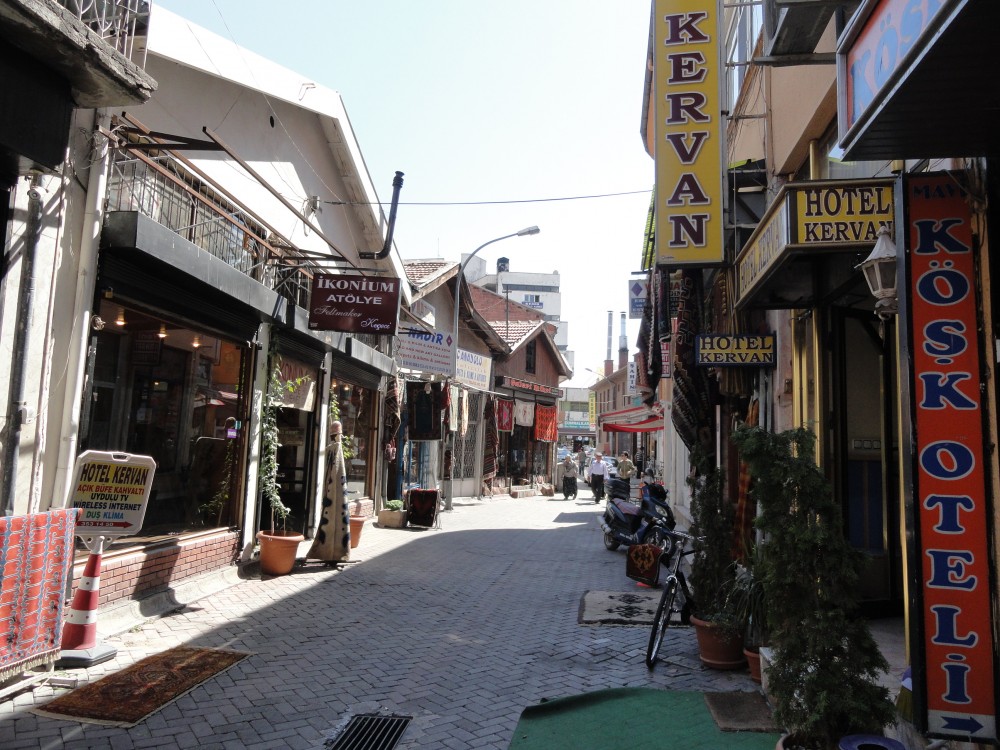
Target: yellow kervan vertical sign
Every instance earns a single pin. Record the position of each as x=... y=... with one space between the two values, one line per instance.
x=689 y=198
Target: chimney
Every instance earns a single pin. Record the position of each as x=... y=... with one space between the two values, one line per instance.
x=623 y=346
x=609 y=364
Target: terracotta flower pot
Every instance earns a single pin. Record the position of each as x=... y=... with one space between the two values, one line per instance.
x=753 y=661
x=278 y=550
x=357 y=523
x=718 y=648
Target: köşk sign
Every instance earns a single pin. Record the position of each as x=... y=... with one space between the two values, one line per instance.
x=950 y=485
x=354 y=304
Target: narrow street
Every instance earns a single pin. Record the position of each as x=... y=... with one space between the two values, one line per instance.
x=460 y=628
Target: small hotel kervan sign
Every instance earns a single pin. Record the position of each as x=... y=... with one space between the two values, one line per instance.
x=354 y=304
x=735 y=351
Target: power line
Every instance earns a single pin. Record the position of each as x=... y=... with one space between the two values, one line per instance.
x=488 y=203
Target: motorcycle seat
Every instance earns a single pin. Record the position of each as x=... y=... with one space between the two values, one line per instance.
x=629 y=509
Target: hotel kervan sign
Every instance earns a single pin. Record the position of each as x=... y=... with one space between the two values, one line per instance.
x=688 y=128
x=354 y=304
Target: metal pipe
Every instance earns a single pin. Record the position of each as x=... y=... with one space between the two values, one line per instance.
x=17 y=409
x=397 y=183
x=253 y=173
x=83 y=301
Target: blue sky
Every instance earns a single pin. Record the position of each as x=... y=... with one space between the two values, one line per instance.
x=475 y=102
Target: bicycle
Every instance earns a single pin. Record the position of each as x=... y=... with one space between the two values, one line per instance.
x=674 y=584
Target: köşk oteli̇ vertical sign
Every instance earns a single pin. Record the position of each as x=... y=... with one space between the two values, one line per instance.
x=950 y=477
x=112 y=490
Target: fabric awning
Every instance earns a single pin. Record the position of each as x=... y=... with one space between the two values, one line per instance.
x=647 y=425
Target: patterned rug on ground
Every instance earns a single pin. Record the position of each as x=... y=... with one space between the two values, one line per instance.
x=740 y=712
x=130 y=695
x=621 y=607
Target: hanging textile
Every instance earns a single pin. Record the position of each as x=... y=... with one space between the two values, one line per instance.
x=505 y=415
x=424 y=400
x=36 y=556
x=454 y=393
x=463 y=420
x=746 y=508
x=491 y=438
x=391 y=415
x=733 y=381
x=546 y=429
x=691 y=413
x=524 y=412
x=333 y=537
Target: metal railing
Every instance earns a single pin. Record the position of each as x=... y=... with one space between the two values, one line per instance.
x=162 y=188
x=117 y=22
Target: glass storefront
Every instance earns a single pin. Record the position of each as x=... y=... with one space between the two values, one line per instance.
x=357 y=409
x=157 y=388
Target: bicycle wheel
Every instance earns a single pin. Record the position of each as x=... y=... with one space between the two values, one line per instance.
x=661 y=621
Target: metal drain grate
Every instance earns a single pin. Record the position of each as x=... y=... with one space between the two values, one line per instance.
x=371 y=732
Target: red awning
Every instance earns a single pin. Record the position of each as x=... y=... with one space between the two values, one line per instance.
x=647 y=425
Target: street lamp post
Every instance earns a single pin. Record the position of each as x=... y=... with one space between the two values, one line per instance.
x=454 y=335
x=458 y=291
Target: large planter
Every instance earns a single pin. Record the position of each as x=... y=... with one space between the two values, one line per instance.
x=718 y=647
x=392 y=519
x=753 y=662
x=357 y=524
x=278 y=550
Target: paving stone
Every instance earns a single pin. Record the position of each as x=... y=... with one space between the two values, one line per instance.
x=461 y=628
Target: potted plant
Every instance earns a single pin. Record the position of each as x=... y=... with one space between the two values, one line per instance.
x=720 y=643
x=746 y=601
x=393 y=516
x=823 y=680
x=278 y=546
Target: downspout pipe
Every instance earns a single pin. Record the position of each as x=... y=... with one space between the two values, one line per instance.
x=18 y=412
x=397 y=184
x=86 y=277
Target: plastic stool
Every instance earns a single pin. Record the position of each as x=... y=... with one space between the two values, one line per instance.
x=869 y=742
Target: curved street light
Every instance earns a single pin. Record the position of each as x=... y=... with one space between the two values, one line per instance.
x=458 y=290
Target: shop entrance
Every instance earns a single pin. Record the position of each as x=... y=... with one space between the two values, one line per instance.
x=866 y=450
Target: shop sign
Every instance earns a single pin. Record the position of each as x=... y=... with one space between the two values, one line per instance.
x=842 y=214
x=713 y=350
x=632 y=379
x=689 y=142
x=890 y=40
x=756 y=260
x=354 y=304
x=516 y=384
x=950 y=461
x=474 y=369
x=424 y=351
x=575 y=424
x=111 y=490
x=814 y=217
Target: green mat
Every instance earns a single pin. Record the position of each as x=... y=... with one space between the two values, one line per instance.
x=634 y=718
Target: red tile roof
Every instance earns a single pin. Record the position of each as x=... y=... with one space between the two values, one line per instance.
x=418 y=271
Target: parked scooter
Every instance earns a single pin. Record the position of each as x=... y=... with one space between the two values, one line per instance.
x=626 y=523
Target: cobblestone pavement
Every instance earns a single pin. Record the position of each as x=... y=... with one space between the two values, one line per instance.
x=460 y=627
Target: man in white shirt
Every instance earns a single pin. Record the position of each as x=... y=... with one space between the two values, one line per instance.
x=598 y=473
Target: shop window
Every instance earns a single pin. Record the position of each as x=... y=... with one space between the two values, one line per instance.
x=355 y=406
x=159 y=389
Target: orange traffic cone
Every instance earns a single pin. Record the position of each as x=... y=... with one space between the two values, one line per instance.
x=80 y=630
x=79 y=646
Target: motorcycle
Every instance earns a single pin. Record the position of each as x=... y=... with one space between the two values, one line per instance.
x=626 y=523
